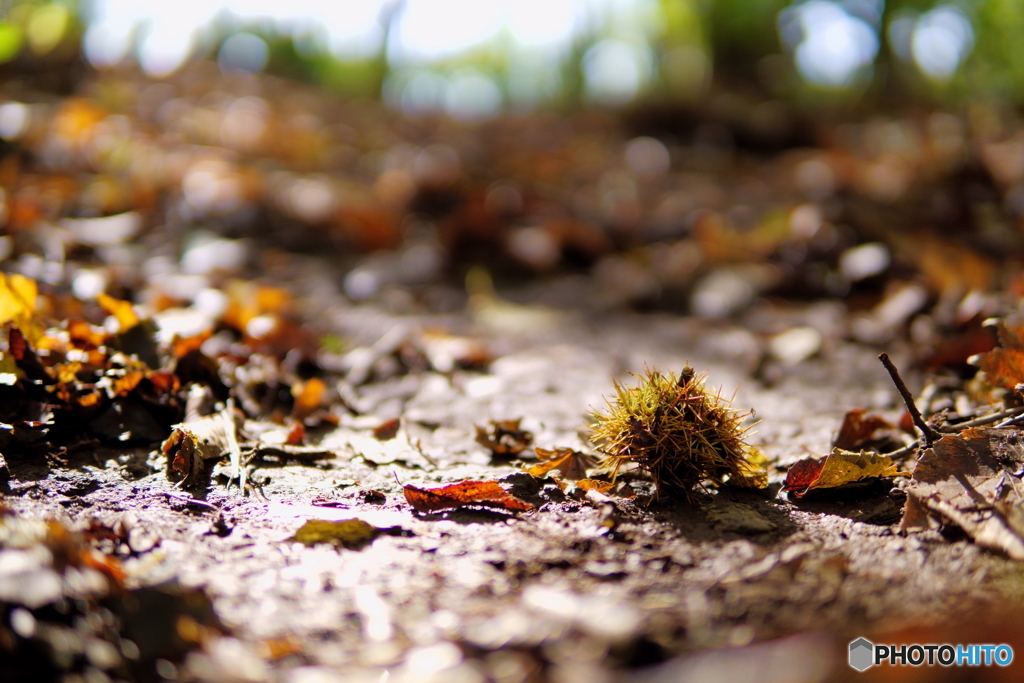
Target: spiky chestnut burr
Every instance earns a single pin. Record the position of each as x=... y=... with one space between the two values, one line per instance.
x=678 y=431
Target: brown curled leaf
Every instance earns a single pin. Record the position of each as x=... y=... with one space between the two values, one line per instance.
x=25 y=358
x=387 y=430
x=191 y=443
x=461 y=494
x=860 y=427
x=503 y=437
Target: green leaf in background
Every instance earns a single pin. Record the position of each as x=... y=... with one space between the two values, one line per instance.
x=11 y=39
x=47 y=27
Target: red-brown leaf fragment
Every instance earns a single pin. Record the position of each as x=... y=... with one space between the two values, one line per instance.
x=461 y=494
x=25 y=357
x=860 y=427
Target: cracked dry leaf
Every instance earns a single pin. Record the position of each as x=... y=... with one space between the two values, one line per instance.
x=572 y=464
x=353 y=534
x=835 y=469
x=462 y=494
x=968 y=480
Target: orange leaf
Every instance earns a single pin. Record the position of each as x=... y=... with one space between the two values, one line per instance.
x=126 y=384
x=595 y=485
x=1004 y=365
x=460 y=494
x=570 y=463
x=296 y=435
x=90 y=399
x=164 y=382
x=85 y=336
x=309 y=396
x=182 y=345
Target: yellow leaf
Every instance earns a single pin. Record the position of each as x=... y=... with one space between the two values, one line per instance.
x=754 y=471
x=122 y=310
x=837 y=468
x=17 y=298
x=348 y=533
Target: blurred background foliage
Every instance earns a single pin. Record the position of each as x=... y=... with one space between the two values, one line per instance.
x=474 y=59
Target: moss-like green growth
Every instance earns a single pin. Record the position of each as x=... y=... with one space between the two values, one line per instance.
x=679 y=432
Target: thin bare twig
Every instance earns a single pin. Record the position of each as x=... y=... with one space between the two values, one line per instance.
x=927 y=431
x=290 y=452
x=901 y=452
x=984 y=420
x=189 y=500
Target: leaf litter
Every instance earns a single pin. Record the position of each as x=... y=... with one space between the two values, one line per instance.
x=114 y=374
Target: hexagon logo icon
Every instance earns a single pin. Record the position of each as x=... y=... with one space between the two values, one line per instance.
x=862 y=653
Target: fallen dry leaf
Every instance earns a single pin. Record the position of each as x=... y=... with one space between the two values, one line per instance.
x=835 y=469
x=387 y=430
x=18 y=300
x=353 y=534
x=191 y=443
x=572 y=464
x=595 y=485
x=860 y=428
x=462 y=494
x=1004 y=365
x=503 y=437
x=399 y=448
x=971 y=480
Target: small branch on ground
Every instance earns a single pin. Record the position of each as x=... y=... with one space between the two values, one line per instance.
x=984 y=420
x=927 y=431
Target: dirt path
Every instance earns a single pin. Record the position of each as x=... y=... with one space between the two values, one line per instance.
x=577 y=590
